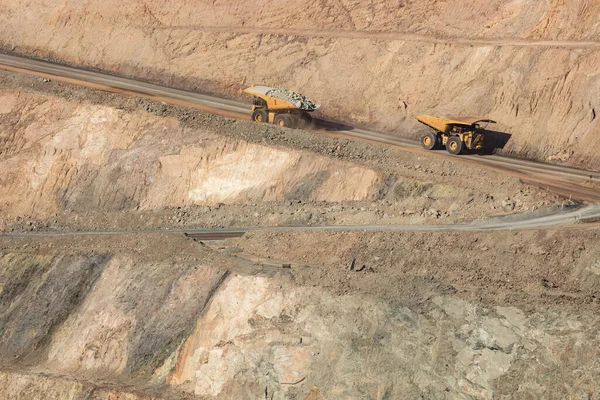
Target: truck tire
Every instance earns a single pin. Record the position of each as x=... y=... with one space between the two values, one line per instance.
x=284 y=120
x=454 y=145
x=260 y=116
x=430 y=141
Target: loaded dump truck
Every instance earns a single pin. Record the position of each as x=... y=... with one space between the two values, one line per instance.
x=281 y=107
x=456 y=134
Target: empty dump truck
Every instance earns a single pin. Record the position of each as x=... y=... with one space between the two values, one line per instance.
x=282 y=107
x=456 y=134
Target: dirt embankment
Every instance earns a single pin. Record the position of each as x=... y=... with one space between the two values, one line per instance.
x=91 y=160
x=165 y=317
x=545 y=97
x=81 y=157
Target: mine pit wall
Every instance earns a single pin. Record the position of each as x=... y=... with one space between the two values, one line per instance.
x=70 y=155
x=545 y=97
x=165 y=328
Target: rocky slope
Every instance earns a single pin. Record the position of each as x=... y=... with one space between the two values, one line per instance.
x=354 y=57
x=161 y=316
x=90 y=160
x=80 y=157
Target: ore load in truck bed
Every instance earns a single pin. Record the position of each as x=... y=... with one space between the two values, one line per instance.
x=296 y=99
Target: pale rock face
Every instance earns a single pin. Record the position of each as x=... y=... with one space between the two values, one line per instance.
x=79 y=156
x=235 y=173
x=224 y=172
x=95 y=340
x=254 y=338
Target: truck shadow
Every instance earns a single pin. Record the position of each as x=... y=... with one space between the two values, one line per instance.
x=330 y=125
x=493 y=141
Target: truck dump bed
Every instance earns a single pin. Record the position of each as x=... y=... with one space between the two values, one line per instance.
x=279 y=99
x=445 y=125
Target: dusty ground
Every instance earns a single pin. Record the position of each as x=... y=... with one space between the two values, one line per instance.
x=501 y=268
x=544 y=96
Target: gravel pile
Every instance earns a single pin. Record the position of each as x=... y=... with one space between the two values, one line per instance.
x=296 y=99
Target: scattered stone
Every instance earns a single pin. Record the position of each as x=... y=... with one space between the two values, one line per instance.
x=549 y=285
x=508 y=204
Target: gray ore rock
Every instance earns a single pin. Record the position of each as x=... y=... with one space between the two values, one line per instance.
x=296 y=99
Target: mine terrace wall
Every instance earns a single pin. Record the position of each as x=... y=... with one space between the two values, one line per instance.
x=360 y=59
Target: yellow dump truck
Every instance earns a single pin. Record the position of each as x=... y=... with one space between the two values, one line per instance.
x=282 y=107
x=455 y=133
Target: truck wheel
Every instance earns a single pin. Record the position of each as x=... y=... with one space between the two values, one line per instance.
x=454 y=145
x=430 y=141
x=260 y=116
x=284 y=120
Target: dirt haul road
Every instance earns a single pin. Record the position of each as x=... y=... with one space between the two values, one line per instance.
x=588 y=214
x=568 y=182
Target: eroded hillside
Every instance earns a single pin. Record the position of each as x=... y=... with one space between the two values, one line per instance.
x=83 y=157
